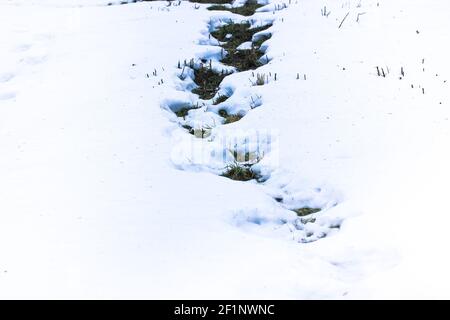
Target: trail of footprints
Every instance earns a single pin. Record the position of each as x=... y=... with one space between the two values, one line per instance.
x=19 y=60
x=242 y=49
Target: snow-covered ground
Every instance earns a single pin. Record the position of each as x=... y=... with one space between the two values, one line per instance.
x=104 y=195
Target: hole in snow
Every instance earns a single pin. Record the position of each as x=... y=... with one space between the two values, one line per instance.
x=207 y=81
x=233 y=37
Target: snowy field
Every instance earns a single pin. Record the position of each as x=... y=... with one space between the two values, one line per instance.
x=104 y=194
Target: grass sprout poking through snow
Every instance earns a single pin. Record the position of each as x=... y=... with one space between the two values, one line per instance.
x=260 y=79
x=239 y=172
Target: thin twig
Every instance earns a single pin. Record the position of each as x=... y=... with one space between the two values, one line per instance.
x=344 y=20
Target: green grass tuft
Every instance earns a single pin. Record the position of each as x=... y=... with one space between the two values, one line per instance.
x=229 y=118
x=301 y=212
x=260 y=79
x=243 y=59
x=208 y=82
x=236 y=171
x=240 y=33
x=183 y=112
x=220 y=99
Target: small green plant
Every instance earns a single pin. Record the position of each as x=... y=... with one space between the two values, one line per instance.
x=324 y=12
x=208 y=82
x=256 y=102
x=218 y=7
x=240 y=33
x=243 y=59
x=229 y=118
x=223 y=113
x=232 y=118
x=183 y=112
x=260 y=79
x=220 y=99
x=301 y=212
x=239 y=172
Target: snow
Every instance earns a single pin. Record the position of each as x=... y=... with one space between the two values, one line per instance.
x=245 y=46
x=104 y=195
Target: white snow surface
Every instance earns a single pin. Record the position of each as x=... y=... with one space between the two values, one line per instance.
x=101 y=193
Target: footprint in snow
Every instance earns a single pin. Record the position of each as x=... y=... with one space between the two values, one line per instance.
x=23 y=48
x=34 y=60
x=5 y=77
x=7 y=96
